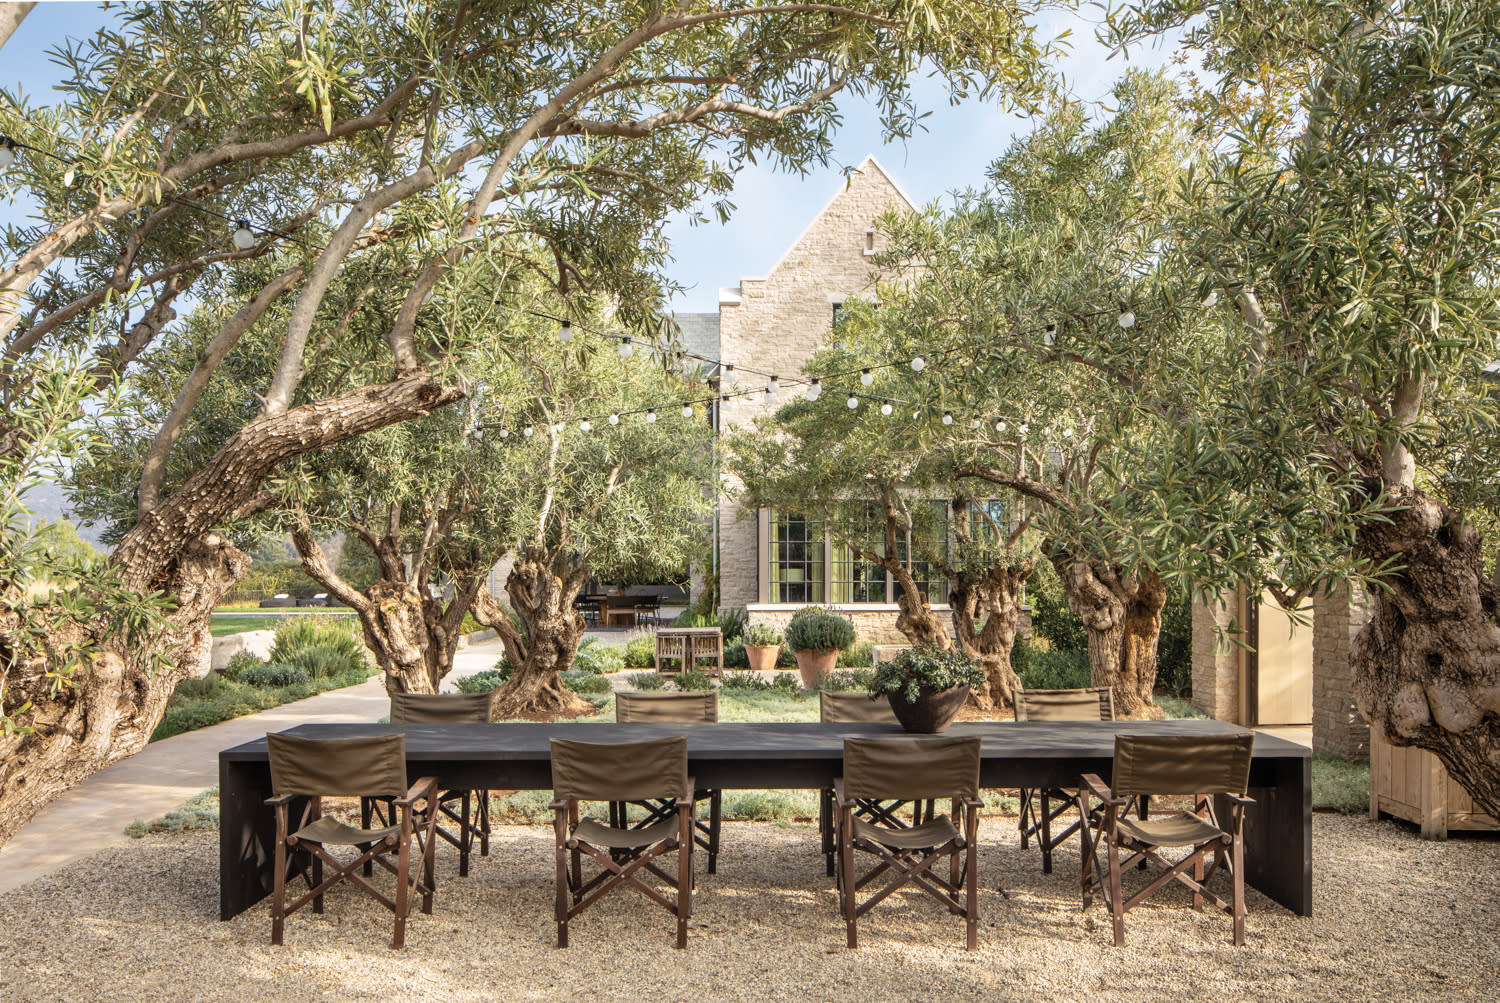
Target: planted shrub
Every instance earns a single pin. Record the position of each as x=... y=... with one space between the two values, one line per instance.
x=763 y=635
x=744 y=681
x=596 y=658
x=735 y=656
x=273 y=674
x=483 y=682
x=815 y=629
x=646 y=681
x=787 y=681
x=1053 y=670
x=585 y=682
x=640 y=652
x=693 y=681
x=239 y=662
x=849 y=679
x=322 y=646
x=861 y=656
x=732 y=622
x=925 y=667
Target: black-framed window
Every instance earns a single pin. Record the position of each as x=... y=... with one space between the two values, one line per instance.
x=796 y=555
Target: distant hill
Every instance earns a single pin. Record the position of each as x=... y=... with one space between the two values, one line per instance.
x=48 y=504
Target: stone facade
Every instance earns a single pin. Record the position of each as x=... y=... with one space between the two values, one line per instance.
x=1216 y=661
x=774 y=324
x=873 y=622
x=1338 y=728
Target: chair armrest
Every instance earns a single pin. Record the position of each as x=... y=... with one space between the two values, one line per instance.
x=1097 y=787
x=279 y=799
x=838 y=794
x=558 y=805
x=971 y=802
x=426 y=787
x=1240 y=799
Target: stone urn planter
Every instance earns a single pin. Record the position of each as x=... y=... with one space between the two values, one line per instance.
x=927 y=686
x=815 y=663
x=932 y=711
x=763 y=656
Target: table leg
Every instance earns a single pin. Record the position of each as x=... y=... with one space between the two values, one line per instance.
x=1278 y=836
x=247 y=835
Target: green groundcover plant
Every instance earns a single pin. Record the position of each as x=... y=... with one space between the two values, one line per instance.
x=925 y=668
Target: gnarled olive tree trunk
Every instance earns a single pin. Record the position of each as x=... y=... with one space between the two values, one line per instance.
x=541 y=589
x=116 y=702
x=986 y=615
x=1427 y=665
x=412 y=634
x=1122 y=613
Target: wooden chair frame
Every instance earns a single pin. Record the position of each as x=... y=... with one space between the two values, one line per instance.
x=408 y=885
x=705 y=833
x=1228 y=849
x=471 y=821
x=868 y=809
x=620 y=867
x=959 y=892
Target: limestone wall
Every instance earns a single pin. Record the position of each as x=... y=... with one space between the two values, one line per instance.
x=774 y=324
x=1216 y=665
x=875 y=623
x=1338 y=728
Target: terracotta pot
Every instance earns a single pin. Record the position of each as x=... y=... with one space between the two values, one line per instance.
x=763 y=656
x=815 y=663
x=932 y=711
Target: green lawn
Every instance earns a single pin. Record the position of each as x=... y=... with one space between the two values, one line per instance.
x=222 y=624
x=198 y=703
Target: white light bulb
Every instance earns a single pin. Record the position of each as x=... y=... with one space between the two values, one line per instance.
x=528 y=431
x=586 y=425
x=769 y=396
x=505 y=433
x=815 y=389
x=1050 y=337
x=885 y=409
x=614 y=419
x=1067 y=433
x=651 y=416
x=918 y=364
x=1211 y=300
x=7 y=153
x=774 y=386
x=1127 y=319
x=1000 y=426
x=687 y=410
x=947 y=417
x=974 y=423
x=243 y=237
x=727 y=373
x=1023 y=428
x=557 y=427
x=565 y=333
x=852 y=402
x=866 y=377
x=627 y=348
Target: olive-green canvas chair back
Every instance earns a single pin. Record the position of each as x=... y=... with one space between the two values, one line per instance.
x=909 y=768
x=620 y=771
x=367 y=766
x=440 y=708
x=854 y=707
x=668 y=708
x=1094 y=703
x=1181 y=764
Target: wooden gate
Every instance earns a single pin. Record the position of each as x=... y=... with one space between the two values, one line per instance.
x=1277 y=685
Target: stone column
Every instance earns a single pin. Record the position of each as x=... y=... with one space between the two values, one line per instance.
x=1216 y=661
x=1338 y=729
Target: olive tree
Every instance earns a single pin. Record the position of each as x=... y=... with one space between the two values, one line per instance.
x=378 y=181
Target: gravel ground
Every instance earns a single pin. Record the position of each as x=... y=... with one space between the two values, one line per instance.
x=1397 y=919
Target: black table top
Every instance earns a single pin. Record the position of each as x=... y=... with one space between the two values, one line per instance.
x=763 y=740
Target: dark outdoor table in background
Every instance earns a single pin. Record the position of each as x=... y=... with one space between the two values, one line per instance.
x=1278 y=827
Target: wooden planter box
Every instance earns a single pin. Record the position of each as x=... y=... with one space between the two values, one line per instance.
x=1411 y=783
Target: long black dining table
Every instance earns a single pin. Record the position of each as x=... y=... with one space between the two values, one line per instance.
x=776 y=755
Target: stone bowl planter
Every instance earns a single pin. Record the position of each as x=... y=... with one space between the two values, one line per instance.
x=815 y=663
x=763 y=656
x=932 y=711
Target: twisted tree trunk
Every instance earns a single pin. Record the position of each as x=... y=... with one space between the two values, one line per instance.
x=1427 y=665
x=986 y=615
x=541 y=591
x=1122 y=613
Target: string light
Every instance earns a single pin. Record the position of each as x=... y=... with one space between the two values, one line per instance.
x=1049 y=337
x=627 y=347
x=528 y=431
x=947 y=417
x=1211 y=300
x=1023 y=428
x=614 y=419
x=886 y=409
x=565 y=332
x=770 y=395
x=815 y=389
x=243 y=237
x=504 y=433
x=1000 y=425
x=774 y=386
x=586 y=425
x=918 y=364
x=7 y=151
x=866 y=377
x=687 y=410
x=651 y=416
x=557 y=426
x=1127 y=319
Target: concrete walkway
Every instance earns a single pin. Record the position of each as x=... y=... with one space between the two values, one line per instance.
x=164 y=774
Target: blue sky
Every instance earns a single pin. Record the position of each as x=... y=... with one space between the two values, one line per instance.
x=773 y=208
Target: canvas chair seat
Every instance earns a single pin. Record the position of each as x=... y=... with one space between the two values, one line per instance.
x=330 y=830
x=598 y=834
x=1182 y=829
x=934 y=832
